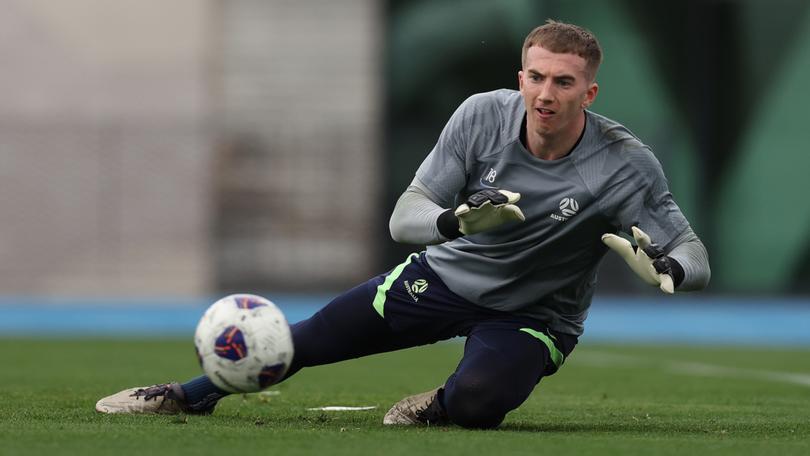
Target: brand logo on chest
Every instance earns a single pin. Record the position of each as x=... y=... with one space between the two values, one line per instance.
x=569 y=207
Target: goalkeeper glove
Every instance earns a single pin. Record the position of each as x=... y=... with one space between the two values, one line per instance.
x=487 y=209
x=647 y=261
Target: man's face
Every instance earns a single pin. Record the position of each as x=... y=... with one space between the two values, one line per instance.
x=555 y=88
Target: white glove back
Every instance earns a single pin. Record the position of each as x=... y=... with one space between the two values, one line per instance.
x=487 y=209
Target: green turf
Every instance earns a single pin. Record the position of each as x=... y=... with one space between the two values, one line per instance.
x=606 y=400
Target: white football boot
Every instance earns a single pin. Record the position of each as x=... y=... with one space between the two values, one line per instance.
x=419 y=409
x=167 y=399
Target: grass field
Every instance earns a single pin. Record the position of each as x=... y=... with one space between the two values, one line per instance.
x=606 y=400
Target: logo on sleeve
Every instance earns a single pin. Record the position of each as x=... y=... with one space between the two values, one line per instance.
x=568 y=208
x=488 y=179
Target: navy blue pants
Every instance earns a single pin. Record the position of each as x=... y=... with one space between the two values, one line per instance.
x=505 y=356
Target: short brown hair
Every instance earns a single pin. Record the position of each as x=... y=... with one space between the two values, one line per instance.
x=563 y=38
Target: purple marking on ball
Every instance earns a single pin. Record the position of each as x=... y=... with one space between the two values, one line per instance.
x=231 y=344
x=249 y=302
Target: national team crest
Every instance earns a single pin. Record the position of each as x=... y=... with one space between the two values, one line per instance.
x=569 y=207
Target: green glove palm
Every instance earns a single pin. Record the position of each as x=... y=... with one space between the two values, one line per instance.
x=647 y=261
x=487 y=209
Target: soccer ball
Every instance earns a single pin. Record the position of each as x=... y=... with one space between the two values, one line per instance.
x=243 y=343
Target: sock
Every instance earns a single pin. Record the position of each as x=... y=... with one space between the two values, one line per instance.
x=201 y=393
x=440 y=398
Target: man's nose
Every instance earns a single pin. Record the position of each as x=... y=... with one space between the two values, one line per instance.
x=546 y=93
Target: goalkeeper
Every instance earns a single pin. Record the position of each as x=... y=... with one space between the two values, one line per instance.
x=518 y=202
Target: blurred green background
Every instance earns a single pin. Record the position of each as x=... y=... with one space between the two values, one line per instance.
x=199 y=147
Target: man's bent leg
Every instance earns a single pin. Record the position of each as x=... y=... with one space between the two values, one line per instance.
x=499 y=370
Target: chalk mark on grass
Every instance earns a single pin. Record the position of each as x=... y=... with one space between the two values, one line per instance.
x=692 y=368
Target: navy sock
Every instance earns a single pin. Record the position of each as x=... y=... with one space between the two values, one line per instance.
x=440 y=398
x=201 y=392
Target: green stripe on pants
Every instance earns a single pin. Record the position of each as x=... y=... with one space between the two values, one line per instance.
x=382 y=289
x=556 y=356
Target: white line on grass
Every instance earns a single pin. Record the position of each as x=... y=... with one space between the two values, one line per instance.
x=343 y=408
x=608 y=360
x=711 y=370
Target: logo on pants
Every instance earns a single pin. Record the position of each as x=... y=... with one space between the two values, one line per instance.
x=417 y=287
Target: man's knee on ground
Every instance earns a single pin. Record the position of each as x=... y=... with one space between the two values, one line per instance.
x=475 y=402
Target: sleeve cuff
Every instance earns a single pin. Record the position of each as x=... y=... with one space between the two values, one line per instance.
x=677 y=271
x=447 y=224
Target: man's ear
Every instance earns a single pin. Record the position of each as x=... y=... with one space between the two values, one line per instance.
x=590 y=95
